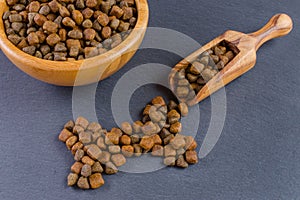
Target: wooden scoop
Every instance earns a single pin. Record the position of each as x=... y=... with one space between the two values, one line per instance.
x=245 y=45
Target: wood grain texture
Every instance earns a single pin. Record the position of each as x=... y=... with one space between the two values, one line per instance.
x=80 y=72
x=279 y=25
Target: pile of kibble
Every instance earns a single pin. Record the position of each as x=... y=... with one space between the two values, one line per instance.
x=68 y=30
x=192 y=78
x=98 y=151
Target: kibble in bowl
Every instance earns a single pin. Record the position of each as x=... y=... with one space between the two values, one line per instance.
x=55 y=40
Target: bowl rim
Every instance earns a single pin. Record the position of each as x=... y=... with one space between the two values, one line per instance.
x=49 y=65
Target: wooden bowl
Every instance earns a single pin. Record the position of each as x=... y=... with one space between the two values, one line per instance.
x=81 y=72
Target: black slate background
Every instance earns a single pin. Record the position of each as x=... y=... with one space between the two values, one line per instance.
x=257 y=156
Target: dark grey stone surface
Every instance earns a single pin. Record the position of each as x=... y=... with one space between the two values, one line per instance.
x=257 y=156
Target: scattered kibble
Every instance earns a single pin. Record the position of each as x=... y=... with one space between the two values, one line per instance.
x=37 y=28
x=98 y=151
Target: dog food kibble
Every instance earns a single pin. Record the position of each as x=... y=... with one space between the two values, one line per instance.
x=192 y=77
x=33 y=26
x=86 y=170
x=118 y=159
x=98 y=151
x=97 y=168
x=96 y=180
x=191 y=157
x=76 y=167
x=83 y=183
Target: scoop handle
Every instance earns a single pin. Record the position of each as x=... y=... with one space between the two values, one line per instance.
x=279 y=25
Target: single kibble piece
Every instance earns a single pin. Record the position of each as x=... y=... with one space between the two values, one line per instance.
x=72 y=179
x=64 y=135
x=118 y=159
x=154 y=115
x=101 y=143
x=83 y=122
x=88 y=13
x=116 y=11
x=110 y=168
x=176 y=127
x=78 y=155
x=172 y=105
x=50 y=27
x=135 y=139
x=60 y=47
x=183 y=82
x=157 y=150
x=15 y=39
x=125 y=140
x=112 y=138
x=83 y=183
x=147 y=110
x=191 y=157
x=94 y=152
x=17 y=26
x=128 y=150
x=96 y=136
x=173 y=116
x=126 y=128
x=149 y=128
x=159 y=100
x=180 y=162
x=164 y=133
x=94 y=127
x=124 y=26
x=136 y=126
x=114 y=24
x=103 y=19
x=76 y=167
x=137 y=150
x=168 y=139
x=64 y=12
x=53 y=39
x=77 y=129
x=169 y=151
x=32 y=39
x=77 y=17
x=96 y=180
x=170 y=161
x=184 y=109
x=11 y=2
x=104 y=157
x=87 y=160
x=128 y=13
x=157 y=139
x=44 y=10
x=196 y=68
x=91 y=3
x=114 y=149
x=106 y=32
x=178 y=142
x=182 y=91
x=86 y=170
x=191 y=144
x=85 y=137
x=147 y=142
x=71 y=141
x=87 y=23
x=97 y=168
x=34 y=6
x=67 y=21
x=180 y=151
x=75 y=34
x=80 y=4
